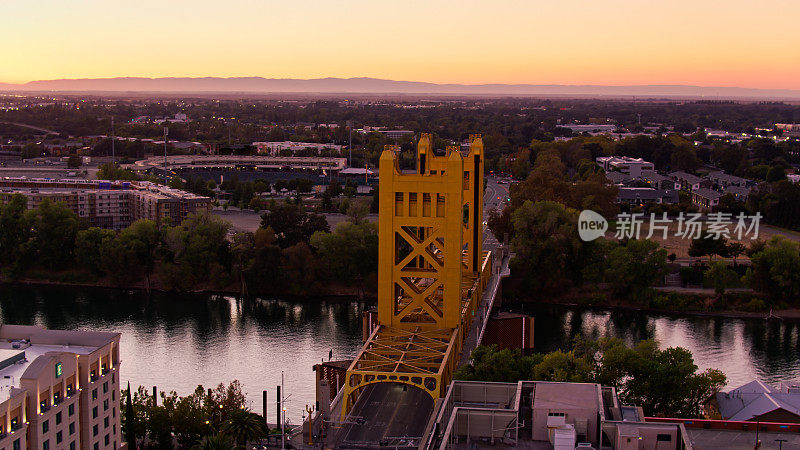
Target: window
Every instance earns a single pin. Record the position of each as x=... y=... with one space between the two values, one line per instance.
x=96 y=446
x=58 y=417
x=113 y=395
x=108 y=439
x=72 y=428
x=114 y=412
x=71 y=409
x=45 y=426
x=72 y=445
x=664 y=437
x=16 y=445
x=105 y=405
x=46 y=444
x=105 y=387
x=58 y=437
x=94 y=394
x=94 y=412
x=105 y=422
x=95 y=430
x=556 y=414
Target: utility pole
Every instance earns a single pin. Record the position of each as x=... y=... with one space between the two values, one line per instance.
x=166 y=132
x=283 y=415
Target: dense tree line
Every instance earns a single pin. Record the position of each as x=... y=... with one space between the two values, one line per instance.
x=293 y=252
x=664 y=383
x=205 y=419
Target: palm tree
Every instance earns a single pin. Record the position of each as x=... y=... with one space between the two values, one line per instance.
x=244 y=426
x=214 y=442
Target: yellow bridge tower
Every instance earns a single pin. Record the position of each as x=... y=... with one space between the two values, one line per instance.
x=432 y=269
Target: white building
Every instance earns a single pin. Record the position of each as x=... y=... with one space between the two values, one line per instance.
x=632 y=166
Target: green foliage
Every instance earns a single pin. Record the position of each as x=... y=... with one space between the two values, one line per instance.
x=112 y=171
x=350 y=251
x=635 y=266
x=291 y=224
x=663 y=382
x=219 y=413
x=88 y=248
x=53 y=228
x=775 y=270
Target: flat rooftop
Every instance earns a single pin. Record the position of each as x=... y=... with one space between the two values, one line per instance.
x=566 y=396
x=740 y=440
x=11 y=374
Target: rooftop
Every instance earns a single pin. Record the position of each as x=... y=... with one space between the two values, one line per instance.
x=20 y=345
x=566 y=395
x=25 y=356
x=707 y=193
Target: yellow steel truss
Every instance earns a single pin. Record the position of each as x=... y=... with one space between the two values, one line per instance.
x=432 y=269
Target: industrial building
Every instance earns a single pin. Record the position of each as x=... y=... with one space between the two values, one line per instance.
x=60 y=389
x=104 y=204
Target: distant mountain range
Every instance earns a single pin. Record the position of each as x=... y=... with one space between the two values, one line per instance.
x=379 y=86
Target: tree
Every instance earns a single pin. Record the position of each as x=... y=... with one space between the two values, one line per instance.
x=291 y=224
x=775 y=270
x=632 y=268
x=244 y=427
x=719 y=275
x=708 y=246
x=88 y=247
x=775 y=173
x=734 y=250
x=489 y=363
x=215 y=442
x=51 y=241
x=349 y=252
x=14 y=231
x=130 y=430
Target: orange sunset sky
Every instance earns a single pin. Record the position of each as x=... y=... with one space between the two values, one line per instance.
x=615 y=42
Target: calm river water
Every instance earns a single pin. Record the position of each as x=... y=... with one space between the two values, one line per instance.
x=179 y=341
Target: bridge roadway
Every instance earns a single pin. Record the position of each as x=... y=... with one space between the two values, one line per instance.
x=388 y=413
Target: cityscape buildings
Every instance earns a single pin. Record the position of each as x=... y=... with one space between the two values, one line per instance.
x=105 y=204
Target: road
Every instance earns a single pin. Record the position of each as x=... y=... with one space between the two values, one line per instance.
x=43 y=130
x=494 y=197
x=390 y=412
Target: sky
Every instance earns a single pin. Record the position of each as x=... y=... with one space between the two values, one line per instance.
x=743 y=43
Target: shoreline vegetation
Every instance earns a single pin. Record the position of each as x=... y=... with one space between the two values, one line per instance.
x=348 y=292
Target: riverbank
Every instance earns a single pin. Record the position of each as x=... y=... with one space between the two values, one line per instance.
x=85 y=280
x=734 y=304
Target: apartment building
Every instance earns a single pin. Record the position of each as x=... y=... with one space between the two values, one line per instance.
x=60 y=389
x=108 y=205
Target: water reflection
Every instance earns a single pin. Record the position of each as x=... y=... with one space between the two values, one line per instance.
x=180 y=341
x=745 y=349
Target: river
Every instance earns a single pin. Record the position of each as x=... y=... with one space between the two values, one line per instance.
x=176 y=342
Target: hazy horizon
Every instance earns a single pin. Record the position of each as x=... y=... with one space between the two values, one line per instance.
x=575 y=42
x=366 y=85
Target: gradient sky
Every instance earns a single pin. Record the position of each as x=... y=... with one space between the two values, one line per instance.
x=745 y=43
